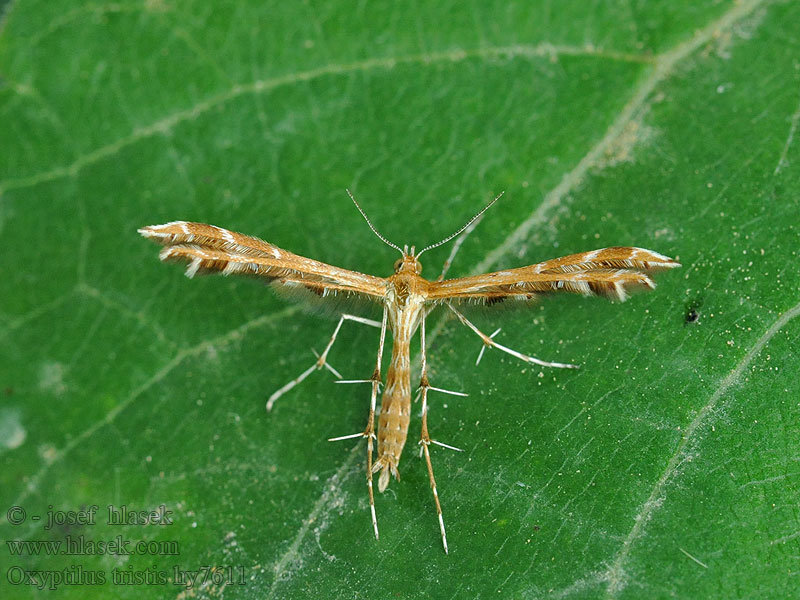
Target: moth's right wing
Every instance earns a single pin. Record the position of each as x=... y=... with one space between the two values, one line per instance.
x=609 y=272
x=210 y=249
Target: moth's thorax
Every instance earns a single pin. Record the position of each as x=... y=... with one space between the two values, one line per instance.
x=406 y=287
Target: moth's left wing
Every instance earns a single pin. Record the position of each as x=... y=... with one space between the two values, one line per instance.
x=609 y=272
x=211 y=249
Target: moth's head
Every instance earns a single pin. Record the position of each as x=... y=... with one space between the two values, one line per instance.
x=408 y=263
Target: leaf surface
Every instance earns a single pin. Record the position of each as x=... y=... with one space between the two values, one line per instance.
x=666 y=466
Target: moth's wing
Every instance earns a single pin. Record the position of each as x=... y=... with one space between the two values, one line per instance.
x=609 y=272
x=617 y=257
x=209 y=249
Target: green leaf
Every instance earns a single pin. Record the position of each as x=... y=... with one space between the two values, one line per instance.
x=667 y=466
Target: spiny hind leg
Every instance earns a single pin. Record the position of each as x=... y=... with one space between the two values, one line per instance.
x=490 y=343
x=369 y=430
x=322 y=359
x=425 y=439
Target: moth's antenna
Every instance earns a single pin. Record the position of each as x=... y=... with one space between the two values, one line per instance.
x=468 y=223
x=371 y=226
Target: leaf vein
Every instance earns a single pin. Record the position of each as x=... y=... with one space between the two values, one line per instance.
x=663 y=66
x=615 y=574
x=166 y=124
x=158 y=376
x=792 y=129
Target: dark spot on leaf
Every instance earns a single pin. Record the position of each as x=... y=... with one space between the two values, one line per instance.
x=692 y=314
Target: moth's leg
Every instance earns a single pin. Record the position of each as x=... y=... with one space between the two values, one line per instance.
x=321 y=359
x=425 y=440
x=487 y=339
x=369 y=431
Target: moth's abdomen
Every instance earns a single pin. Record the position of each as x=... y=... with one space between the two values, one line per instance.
x=395 y=413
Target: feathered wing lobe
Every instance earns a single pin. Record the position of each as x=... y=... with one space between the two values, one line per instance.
x=210 y=249
x=609 y=272
x=617 y=257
